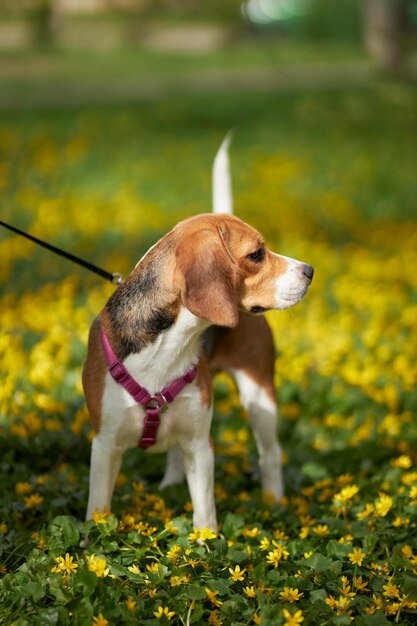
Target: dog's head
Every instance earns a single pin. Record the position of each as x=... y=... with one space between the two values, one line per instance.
x=223 y=266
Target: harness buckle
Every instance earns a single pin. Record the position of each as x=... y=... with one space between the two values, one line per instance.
x=159 y=403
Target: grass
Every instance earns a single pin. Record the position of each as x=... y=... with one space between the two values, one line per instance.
x=329 y=178
x=45 y=73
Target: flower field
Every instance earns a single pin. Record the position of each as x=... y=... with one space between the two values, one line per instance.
x=329 y=179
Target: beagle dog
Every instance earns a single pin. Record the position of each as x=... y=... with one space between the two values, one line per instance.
x=147 y=376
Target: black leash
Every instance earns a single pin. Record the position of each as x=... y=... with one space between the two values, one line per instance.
x=114 y=278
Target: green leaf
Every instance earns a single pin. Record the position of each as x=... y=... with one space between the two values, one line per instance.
x=197 y=614
x=236 y=555
x=222 y=585
x=182 y=525
x=85 y=581
x=318 y=595
x=66 y=531
x=232 y=525
x=47 y=617
x=319 y=563
x=341 y=620
x=376 y=619
x=219 y=546
x=410 y=588
x=339 y=550
x=314 y=471
x=194 y=593
x=369 y=542
x=35 y=590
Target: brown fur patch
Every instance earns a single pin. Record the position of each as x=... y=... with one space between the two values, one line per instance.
x=249 y=348
x=94 y=372
x=204 y=381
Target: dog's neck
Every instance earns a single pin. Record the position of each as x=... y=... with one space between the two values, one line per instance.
x=148 y=326
x=172 y=353
x=144 y=306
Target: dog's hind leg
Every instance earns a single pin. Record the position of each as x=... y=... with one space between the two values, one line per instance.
x=248 y=354
x=263 y=414
x=174 y=471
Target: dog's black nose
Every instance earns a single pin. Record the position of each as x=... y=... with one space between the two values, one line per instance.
x=308 y=271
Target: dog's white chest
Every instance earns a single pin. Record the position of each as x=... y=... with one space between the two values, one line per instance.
x=123 y=418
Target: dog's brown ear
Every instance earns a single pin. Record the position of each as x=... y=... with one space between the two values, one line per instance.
x=210 y=279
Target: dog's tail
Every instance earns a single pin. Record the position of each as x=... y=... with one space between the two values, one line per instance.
x=221 y=180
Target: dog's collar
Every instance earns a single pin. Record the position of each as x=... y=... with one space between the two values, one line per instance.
x=153 y=404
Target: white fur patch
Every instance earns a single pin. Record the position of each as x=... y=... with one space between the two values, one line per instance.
x=292 y=286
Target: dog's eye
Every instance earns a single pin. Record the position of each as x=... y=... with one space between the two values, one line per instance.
x=257 y=256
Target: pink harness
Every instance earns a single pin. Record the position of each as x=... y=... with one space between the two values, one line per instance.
x=153 y=405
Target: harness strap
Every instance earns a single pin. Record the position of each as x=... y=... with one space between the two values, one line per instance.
x=153 y=404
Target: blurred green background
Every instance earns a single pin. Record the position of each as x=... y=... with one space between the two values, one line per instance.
x=82 y=51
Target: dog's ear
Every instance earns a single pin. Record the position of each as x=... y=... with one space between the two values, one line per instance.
x=210 y=279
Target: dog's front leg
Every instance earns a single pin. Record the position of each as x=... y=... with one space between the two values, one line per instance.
x=199 y=470
x=104 y=469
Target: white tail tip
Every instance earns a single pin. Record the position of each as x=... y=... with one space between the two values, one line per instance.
x=222 y=184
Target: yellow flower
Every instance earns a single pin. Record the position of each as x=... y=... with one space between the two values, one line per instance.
x=194 y=535
x=214 y=619
x=237 y=573
x=290 y=595
x=251 y=532
x=346 y=494
x=175 y=581
x=413 y=493
x=264 y=543
x=22 y=488
x=212 y=597
x=321 y=530
x=331 y=602
x=97 y=565
x=304 y=532
x=171 y=528
x=33 y=500
x=409 y=478
x=99 y=621
x=359 y=583
x=345 y=589
x=280 y=535
x=207 y=533
x=357 y=556
x=164 y=612
x=367 y=511
x=3 y=528
x=153 y=567
x=131 y=604
x=174 y=553
x=64 y=565
x=275 y=556
x=403 y=462
x=292 y=619
x=101 y=518
x=249 y=592
x=407 y=551
x=383 y=505
x=391 y=590
x=134 y=569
